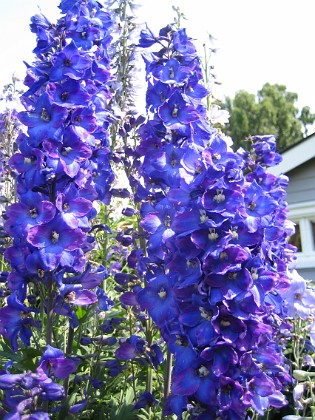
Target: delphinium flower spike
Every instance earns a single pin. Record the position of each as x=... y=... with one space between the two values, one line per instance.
x=62 y=169
x=217 y=244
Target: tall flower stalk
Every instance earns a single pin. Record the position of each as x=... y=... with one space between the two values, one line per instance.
x=9 y=131
x=217 y=244
x=63 y=169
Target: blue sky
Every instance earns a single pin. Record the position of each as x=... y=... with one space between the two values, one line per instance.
x=258 y=41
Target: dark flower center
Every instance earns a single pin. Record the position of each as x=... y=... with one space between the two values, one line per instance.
x=65 y=151
x=203 y=372
x=64 y=96
x=65 y=207
x=33 y=213
x=162 y=293
x=70 y=297
x=44 y=115
x=198 y=170
x=192 y=263
x=213 y=235
x=232 y=275
x=252 y=206
x=167 y=221
x=205 y=314
x=175 y=111
x=203 y=216
x=219 y=197
x=54 y=237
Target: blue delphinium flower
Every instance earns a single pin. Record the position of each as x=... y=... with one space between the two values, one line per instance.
x=16 y=321
x=145 y=399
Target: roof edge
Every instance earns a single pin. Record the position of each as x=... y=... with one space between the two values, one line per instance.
x=295 y=155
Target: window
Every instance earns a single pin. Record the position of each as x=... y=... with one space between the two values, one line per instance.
x=303 y=215
x=296 y=238
x=313 y=232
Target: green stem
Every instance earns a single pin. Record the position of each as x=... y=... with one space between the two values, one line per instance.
x=68 y=353
x=105 y=246
x=167 y=376
x=312 y=397
x=70 y=341
x=206 y=73
x=50 y=311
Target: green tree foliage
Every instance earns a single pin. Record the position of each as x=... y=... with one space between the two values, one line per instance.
x=271 y=111
x=306 y=118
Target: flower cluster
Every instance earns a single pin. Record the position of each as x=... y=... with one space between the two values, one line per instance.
x=299 y=298
x=217 y=244
x=63 y=160
x=299 y=309
x=27 y=391
x=62 y=169
x=9 y=131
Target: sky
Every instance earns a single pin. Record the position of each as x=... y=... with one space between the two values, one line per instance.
x=257 y=41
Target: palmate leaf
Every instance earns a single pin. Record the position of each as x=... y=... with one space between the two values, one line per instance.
x=122 y=408
x=24 y=359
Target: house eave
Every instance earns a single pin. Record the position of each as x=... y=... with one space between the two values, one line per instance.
x=296 y=156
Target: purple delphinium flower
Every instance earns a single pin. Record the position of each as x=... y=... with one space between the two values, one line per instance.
x=31 y=212
x=145 y=399
x=25 y=393
x=54 y=363
x=55 y=241
x=130 y=348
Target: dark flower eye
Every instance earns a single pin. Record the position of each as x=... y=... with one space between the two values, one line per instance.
x=44 y=115
x=54 y=236
x=33 y=213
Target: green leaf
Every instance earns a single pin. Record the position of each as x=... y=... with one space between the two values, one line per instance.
x=80 y=313
x=63 y=413
x=123 y=409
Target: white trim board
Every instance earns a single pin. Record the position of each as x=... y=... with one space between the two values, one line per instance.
x=296 y=156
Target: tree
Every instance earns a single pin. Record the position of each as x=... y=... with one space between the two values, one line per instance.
x=306 y=118
x=272 y=111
